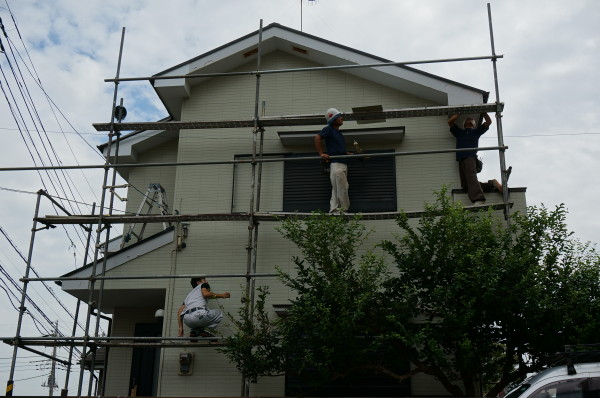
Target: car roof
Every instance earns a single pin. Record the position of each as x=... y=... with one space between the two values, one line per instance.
x=558 y=373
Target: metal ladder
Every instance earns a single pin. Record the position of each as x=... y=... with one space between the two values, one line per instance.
x=155 y=194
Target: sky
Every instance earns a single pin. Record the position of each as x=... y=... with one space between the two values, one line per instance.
x=62 y=50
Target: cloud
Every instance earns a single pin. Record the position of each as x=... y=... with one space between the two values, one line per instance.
x=548 y=79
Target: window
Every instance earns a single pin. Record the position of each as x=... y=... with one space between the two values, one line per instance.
x=372 y=184
x=572 y=388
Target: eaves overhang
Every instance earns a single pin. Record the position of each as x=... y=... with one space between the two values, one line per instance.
x=79 y=288
x=129 y=146
x=276 y=37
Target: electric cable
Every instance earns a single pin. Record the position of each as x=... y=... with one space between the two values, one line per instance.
x=31 y=110
x=48 y=288
x=29 y=299
x=33 y=377
x=57 y=197
x=41 y=137
x=24 y=139
x=35 y=147
x=9 y=299
x=39 y=80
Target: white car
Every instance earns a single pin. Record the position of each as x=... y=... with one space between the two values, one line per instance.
x=558 y=382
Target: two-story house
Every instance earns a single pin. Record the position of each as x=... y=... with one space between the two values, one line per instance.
x=213 y=178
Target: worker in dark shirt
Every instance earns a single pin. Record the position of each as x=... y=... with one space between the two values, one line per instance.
x=338 y=169
x=468 y=137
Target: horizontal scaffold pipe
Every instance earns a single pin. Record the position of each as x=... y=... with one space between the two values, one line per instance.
x=250 y=161
x=122 y=277
x=94 y=339
x=307 y=69
x=258 y=217
x=173 y=342
x=302 y=120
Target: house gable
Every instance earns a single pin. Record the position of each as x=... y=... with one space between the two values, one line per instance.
x=320 y=52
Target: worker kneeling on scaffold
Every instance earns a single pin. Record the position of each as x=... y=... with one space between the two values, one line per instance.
x=338 y=169
x=195 y=312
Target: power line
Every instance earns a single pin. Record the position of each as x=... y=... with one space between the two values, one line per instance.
x=98 y=134
x=52 y=108
x=38 y=80
x=17 y=115
x=48 y=288
x=34 y=115
x=56 y=197
x=33 y=377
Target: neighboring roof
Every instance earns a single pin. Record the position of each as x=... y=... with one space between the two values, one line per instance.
x=126 y=254
x=130 y=145
x=134 y=295
x=276 y=37
x=129 y=136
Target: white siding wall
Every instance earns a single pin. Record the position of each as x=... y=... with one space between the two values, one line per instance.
x=139 y=179
x=220 y=247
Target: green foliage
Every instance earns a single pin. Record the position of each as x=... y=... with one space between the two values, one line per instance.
x=329 y=330
x=490 y=302
x=255 y=348
x=469 y=299
x=337 y=302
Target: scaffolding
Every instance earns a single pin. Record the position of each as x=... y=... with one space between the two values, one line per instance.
x=104 y=218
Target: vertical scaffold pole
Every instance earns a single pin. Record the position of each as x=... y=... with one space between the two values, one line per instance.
x=107 y=238
x=99 y=227
x=253 y=225
x=11 y=376
x=501 y=152
x=65 y=390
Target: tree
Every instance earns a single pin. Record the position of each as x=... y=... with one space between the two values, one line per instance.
x=331 y=328
x=490 y=302
x=467 y=298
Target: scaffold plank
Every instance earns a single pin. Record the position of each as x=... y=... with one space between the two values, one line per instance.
x=263 y=216
x=301 y=120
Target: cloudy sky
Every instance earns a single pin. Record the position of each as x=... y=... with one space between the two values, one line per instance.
x=63 y=49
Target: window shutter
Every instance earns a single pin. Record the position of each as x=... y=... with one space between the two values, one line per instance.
x=372 y=185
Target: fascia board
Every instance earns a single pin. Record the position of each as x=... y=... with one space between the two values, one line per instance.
x=119 y=258
x=322 y=52
x=127 y=147
x=418 y=83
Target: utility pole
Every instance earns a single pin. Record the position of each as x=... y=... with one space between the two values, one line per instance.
x=51 y=384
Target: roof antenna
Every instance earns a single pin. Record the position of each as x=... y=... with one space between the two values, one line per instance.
x=300 y=15
x=301 y=12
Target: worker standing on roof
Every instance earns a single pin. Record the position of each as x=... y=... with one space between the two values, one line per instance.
x=468 y=137
x=338 y=170
x=194 y=311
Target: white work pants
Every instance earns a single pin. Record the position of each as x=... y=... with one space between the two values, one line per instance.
x=338 y=175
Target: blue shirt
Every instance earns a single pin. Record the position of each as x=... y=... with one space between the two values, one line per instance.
x=467 y=138
x=335 y=142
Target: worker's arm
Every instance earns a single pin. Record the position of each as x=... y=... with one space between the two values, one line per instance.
x=488 y=120
x=180 y=320
x=207 y=294
x=452 y=119
x=319 y=147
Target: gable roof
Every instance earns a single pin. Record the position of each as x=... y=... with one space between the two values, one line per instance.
x=143 y=296
x=276 y=37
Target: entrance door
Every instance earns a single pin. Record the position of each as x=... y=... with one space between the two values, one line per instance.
x=144 y=362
